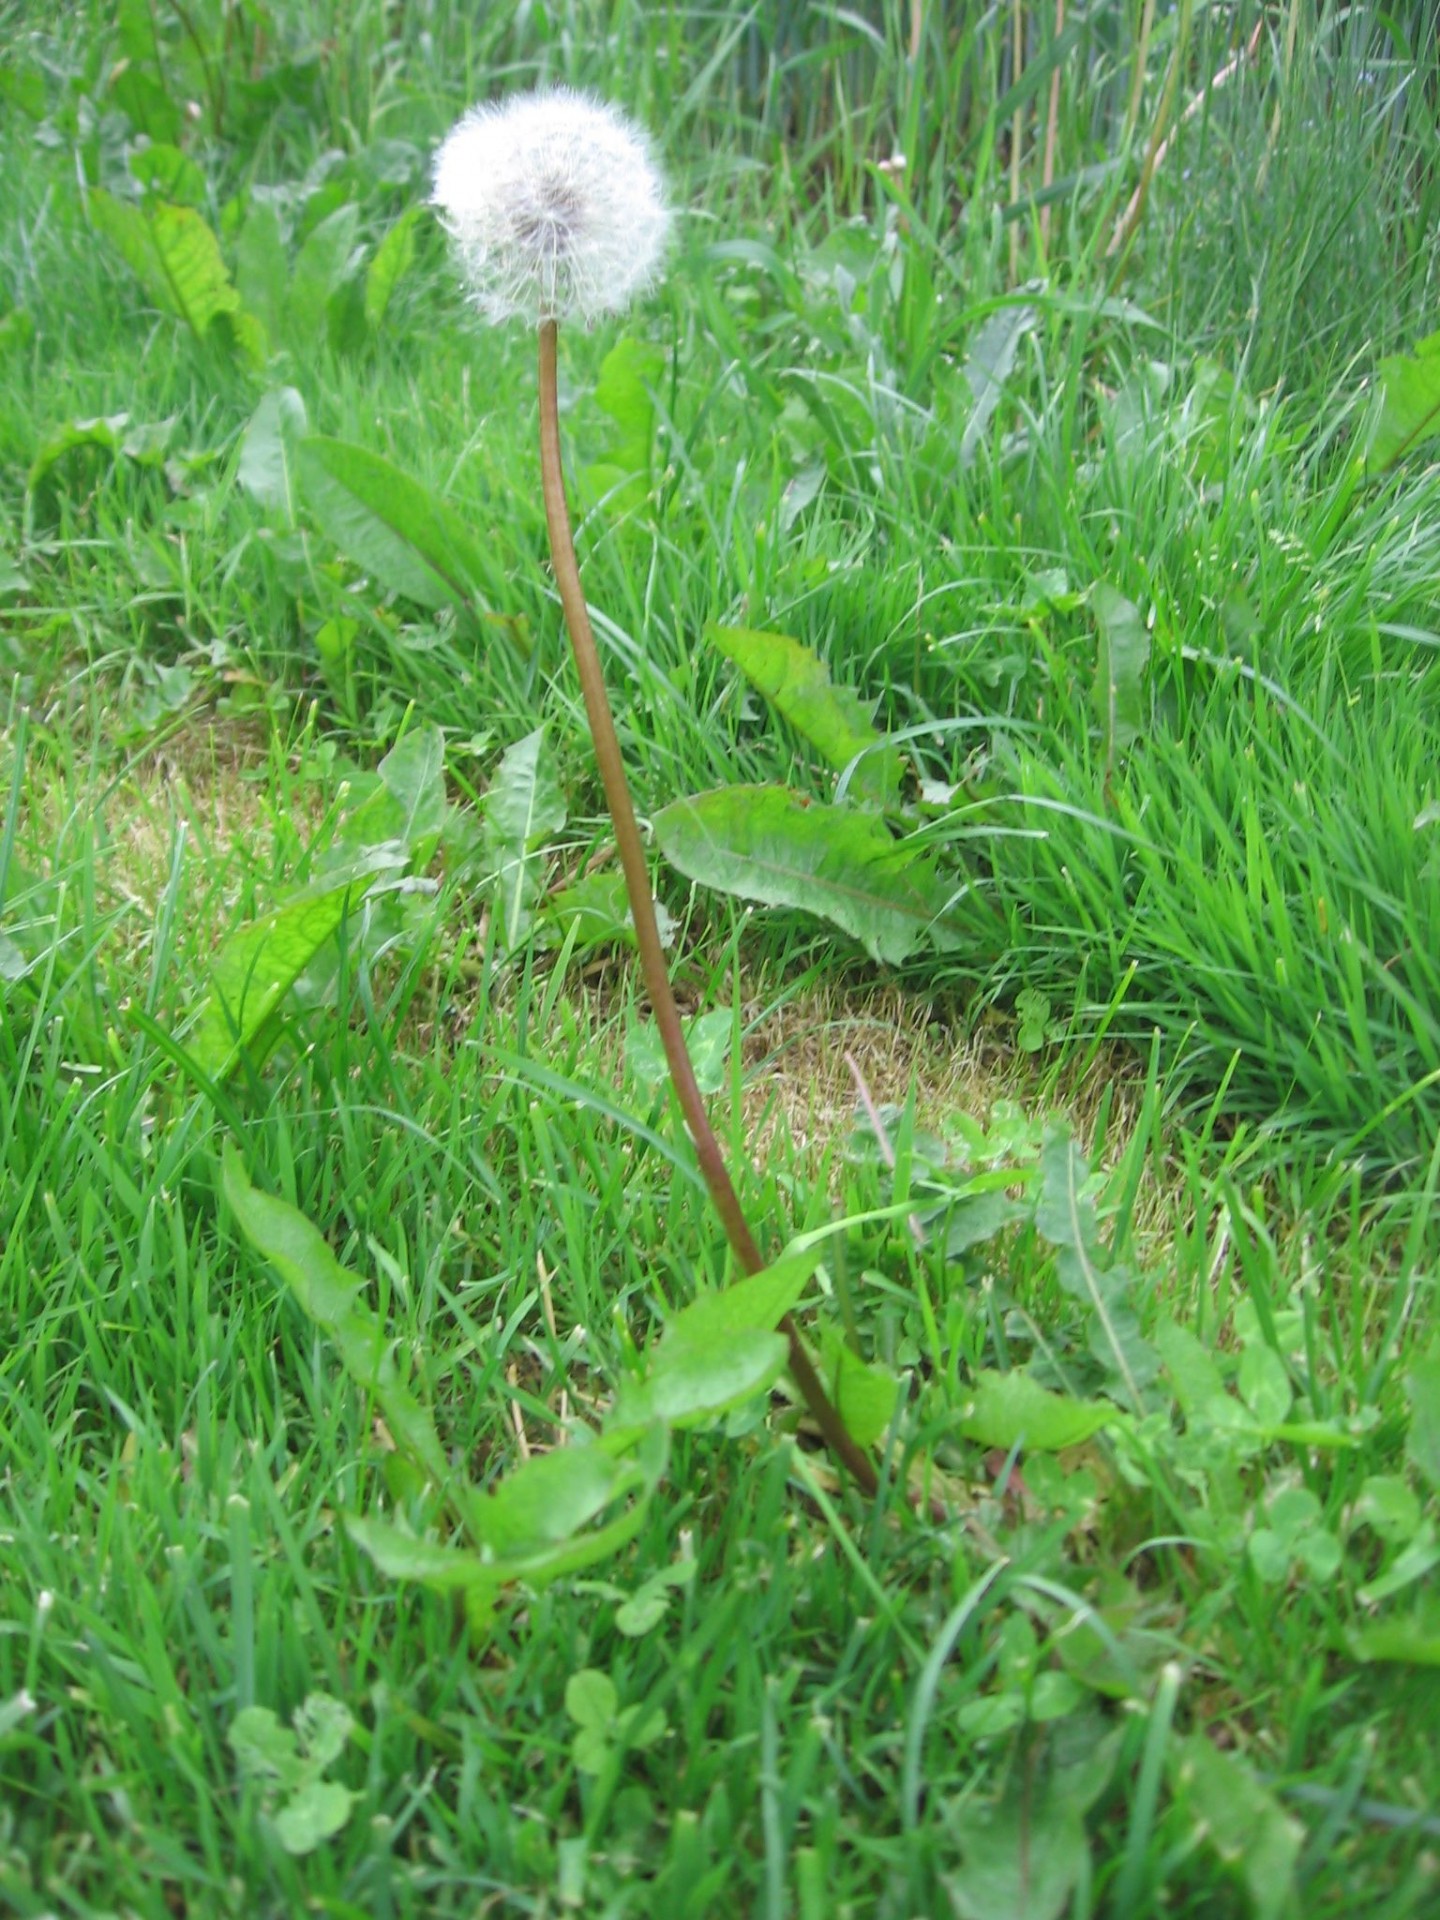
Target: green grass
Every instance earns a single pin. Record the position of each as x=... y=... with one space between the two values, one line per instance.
x=1134 y=1669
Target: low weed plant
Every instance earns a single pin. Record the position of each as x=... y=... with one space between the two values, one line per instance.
x=484 y=1426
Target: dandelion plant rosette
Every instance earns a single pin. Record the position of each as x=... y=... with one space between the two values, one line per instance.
x=556 y=210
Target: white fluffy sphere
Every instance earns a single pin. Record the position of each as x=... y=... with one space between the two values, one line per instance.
x=555 y=207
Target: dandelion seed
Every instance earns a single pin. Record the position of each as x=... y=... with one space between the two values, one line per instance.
x=555 y=207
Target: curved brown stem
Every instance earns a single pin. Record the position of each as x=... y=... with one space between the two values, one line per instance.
x=642 y=908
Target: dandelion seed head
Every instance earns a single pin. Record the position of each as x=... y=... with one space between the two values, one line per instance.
x=555 y=207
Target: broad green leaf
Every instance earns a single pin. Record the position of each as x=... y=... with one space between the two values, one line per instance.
x=1408 y=1639
x=391 y=263
x=268 y=448
x=261 y=961
x=597 y=907
x=1241 y=1819
x=387 y=523
x=316 y=1813
x=1388 y=1503
x=330 y=1295
x=264 y=1749
x=144 y=444
x=591 y=1700
x=413 y=777
x=323 y=1726
x=864 y=1395
x=835 y=720
x=524 y=808
x=404 y=1556
x=773 y=846
x=1199 y=1389
x=1264 y=1384
x=628 y=375
x=321 y=266
x=1409 y=387
x=1414 y=1563
x=174 y=255
x=1124 y=656
x=692 y=1382
x=1422 y=1443
x=988 y=366
x=1065 y=1214
x=755 y=1304
x=707 y=1041
x=1022 y=1858
x=167 y=172
x=1011 y=1409
x=262 y=269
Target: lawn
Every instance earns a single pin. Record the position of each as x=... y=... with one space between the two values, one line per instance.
x=1011 y=528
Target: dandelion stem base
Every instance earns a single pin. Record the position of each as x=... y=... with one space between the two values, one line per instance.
x=647 y=933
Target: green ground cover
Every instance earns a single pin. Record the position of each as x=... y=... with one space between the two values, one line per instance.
x=1108 y=482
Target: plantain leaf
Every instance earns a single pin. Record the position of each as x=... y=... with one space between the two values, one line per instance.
x=773 y=846
x=835 y=720
x=399 y=532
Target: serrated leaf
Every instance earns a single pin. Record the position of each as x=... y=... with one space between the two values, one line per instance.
x=772 y=846
x=404 y=536
x=623 y=390
x=1022 y=1858
x=268 y=448
x=1011 y=1409
x=413 y=777
x=1409 y=385
x=835 y=720
x=261 y=269
x=598 y=908
x=164 y=170
x=1264 y=1384
x=145 y=443
x=1244 y=1823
